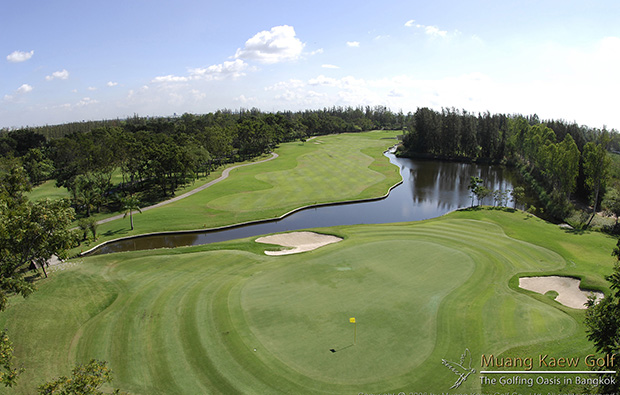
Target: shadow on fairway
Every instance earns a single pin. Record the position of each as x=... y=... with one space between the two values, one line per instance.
x=340 y=349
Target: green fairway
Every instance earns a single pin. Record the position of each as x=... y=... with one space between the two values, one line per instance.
x=48 y=190
x=325 y=169
x=225 y=318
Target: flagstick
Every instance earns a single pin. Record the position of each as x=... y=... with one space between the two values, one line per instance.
x=354 y=333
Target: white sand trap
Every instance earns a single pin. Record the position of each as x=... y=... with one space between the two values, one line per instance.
x=297 y=241
x=569 y=293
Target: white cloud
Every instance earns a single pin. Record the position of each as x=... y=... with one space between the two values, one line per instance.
x=84 y=102
x=169 y=78
x=25 y=88
x=432 y=31
x=22 y=90
x=318 y=51
x=87 y=101
x=245 y=100
x=61 y=75
x=111 y=84
x=329 y=66
x=276 y=45
x=19 y=56
x=198 y=95
x=290 y=84
x=91 y=88
x=345 y=82
x=353 y=44
x=229 y=69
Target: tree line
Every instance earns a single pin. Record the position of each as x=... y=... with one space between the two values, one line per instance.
x=157 y=155
x=559 y=161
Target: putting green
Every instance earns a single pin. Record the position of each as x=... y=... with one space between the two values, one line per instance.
x=393 y=302
x=189 y=320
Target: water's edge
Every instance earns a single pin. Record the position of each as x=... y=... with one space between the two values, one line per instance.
x=241 y=224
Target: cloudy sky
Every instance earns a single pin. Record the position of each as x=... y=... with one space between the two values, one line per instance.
x=70 y=60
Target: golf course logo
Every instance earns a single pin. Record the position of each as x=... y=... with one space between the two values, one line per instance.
x=462 y=369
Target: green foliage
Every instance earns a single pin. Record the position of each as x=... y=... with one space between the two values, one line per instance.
x=85 y=380
x=29 y=233
x=611 y=204
x=482 y=193
x=38 y=166
x=8 y=374
x=596 y=164
x=130 y=204
x=477 y=189
x=517 y=194
x=474 y=186
x=603 y=321
x=548 y=154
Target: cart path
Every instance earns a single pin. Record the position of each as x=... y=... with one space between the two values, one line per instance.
x=224 y=176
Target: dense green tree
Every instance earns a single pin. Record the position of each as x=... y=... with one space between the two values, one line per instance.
x=611 y=205
x=517 y=194
x=38 y=167
x=451 y=129
x=30 y=233
x=603 y=322
x=567 y=165
x=253 y=137
x=596 y=169
x=469 y=142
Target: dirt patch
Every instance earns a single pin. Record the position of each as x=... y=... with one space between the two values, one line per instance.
x=297 y=242
x=569 y=293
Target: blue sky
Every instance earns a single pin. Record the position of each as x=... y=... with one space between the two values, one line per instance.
x=63 y=61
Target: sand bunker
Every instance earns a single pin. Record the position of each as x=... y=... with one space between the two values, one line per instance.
x=298 y=241
x=569 y=293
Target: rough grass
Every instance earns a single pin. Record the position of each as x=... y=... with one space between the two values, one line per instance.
x=188 y=320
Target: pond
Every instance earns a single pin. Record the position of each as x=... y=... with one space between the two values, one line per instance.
x=429 y=189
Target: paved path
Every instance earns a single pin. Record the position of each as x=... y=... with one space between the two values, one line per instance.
x=224 y=176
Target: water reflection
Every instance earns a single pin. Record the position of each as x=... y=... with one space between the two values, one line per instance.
x=429 y=189
x=439 y=187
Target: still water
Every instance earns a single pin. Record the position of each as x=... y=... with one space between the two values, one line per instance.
x=429 y=189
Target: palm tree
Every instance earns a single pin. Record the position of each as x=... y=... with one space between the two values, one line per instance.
x=130 y=204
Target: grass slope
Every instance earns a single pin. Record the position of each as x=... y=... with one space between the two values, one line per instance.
x=188 y=320
x=323 y=170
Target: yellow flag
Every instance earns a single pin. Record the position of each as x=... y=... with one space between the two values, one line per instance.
x=352 y=320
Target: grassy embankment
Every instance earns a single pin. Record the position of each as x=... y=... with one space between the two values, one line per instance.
x=188 y=320
x=322 y=170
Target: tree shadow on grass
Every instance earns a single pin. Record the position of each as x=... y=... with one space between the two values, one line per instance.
x=575 y=231
x=115 y=232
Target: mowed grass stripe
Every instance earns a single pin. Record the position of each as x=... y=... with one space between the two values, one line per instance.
x=421 y=292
